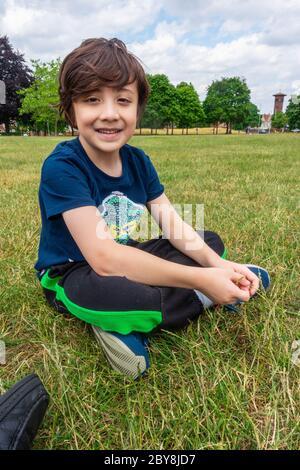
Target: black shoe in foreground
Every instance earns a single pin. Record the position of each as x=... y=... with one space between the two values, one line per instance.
x=22 y=409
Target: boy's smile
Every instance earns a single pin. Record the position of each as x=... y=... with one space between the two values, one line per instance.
x=106 y=119
x=108 y=134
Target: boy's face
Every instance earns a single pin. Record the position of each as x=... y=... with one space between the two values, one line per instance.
x=106 y=119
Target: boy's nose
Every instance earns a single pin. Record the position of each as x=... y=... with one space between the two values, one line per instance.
x=109 y=112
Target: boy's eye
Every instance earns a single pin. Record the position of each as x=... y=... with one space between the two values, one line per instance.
x=124 y=100
x=91 y=99
x=94 y=99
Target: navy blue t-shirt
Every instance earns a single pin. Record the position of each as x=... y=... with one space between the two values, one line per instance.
x=70 y=179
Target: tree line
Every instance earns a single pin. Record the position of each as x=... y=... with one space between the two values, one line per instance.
x=32 y=100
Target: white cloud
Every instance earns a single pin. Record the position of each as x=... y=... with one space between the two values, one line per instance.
x=278 y=20
x=231 y=26
x=51 y=29
x=158 y=53
x=296 y=87
x=267 y=69
x=195 y=41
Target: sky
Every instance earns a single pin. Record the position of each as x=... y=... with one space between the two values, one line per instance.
x=195 y=41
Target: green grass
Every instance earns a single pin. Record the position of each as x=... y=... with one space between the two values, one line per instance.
x=226 y=381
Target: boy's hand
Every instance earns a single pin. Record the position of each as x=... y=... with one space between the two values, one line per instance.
x=253 y=281
x=224 y=286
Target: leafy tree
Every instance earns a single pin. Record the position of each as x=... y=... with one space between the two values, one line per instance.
x=41 y=98
x=213 y=109
x=16 y=75
x=293 y=113
x=162 y=108
x=279 y=120
x=151 y=118
x=227 y=101
x=190 y=109
x=252 y=118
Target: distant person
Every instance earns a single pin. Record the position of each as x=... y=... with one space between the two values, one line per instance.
x=94 y=189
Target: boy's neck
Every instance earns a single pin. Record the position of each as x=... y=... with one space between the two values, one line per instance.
x=110 y=163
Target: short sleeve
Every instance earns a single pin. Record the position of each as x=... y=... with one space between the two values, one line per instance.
x=63 y=187
x=154 y=186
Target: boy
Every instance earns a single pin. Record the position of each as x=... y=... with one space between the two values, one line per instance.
x=90 y=187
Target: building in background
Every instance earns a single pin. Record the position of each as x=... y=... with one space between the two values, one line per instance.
x=278 y=102
x=266 y=122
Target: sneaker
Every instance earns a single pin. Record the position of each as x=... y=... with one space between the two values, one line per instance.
x=127 y=354
x=265 y=282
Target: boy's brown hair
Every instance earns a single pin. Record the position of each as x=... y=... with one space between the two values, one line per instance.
x=96 y=63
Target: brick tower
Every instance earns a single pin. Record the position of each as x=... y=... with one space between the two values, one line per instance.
x=278 y=102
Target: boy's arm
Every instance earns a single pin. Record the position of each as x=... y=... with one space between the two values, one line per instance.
x=109 y=258
x=180 y=234
x=188 y=241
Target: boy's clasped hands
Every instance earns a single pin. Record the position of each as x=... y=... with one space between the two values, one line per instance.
x=229 y=282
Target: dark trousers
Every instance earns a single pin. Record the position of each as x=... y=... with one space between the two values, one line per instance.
x=115 y=303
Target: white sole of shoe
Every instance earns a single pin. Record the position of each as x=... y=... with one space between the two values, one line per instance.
x=120 y=357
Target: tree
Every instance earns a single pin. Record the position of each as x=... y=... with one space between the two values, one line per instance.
x=227 y=101
x=190 y=109
x=16 y=75
x=279 y=120
x=212 y=106
x=41 y=98
x=252 y=119
x=151 y=118
x=162 y=108
x=293 y=113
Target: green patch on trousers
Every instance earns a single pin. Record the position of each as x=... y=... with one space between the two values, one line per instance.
x=123 y=322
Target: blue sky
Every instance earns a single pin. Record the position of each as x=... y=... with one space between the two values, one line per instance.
x=192 y=40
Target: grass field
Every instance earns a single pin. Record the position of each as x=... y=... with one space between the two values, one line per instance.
x=225 y=382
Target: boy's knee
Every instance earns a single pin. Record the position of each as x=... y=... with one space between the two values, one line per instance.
x=213 y=240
